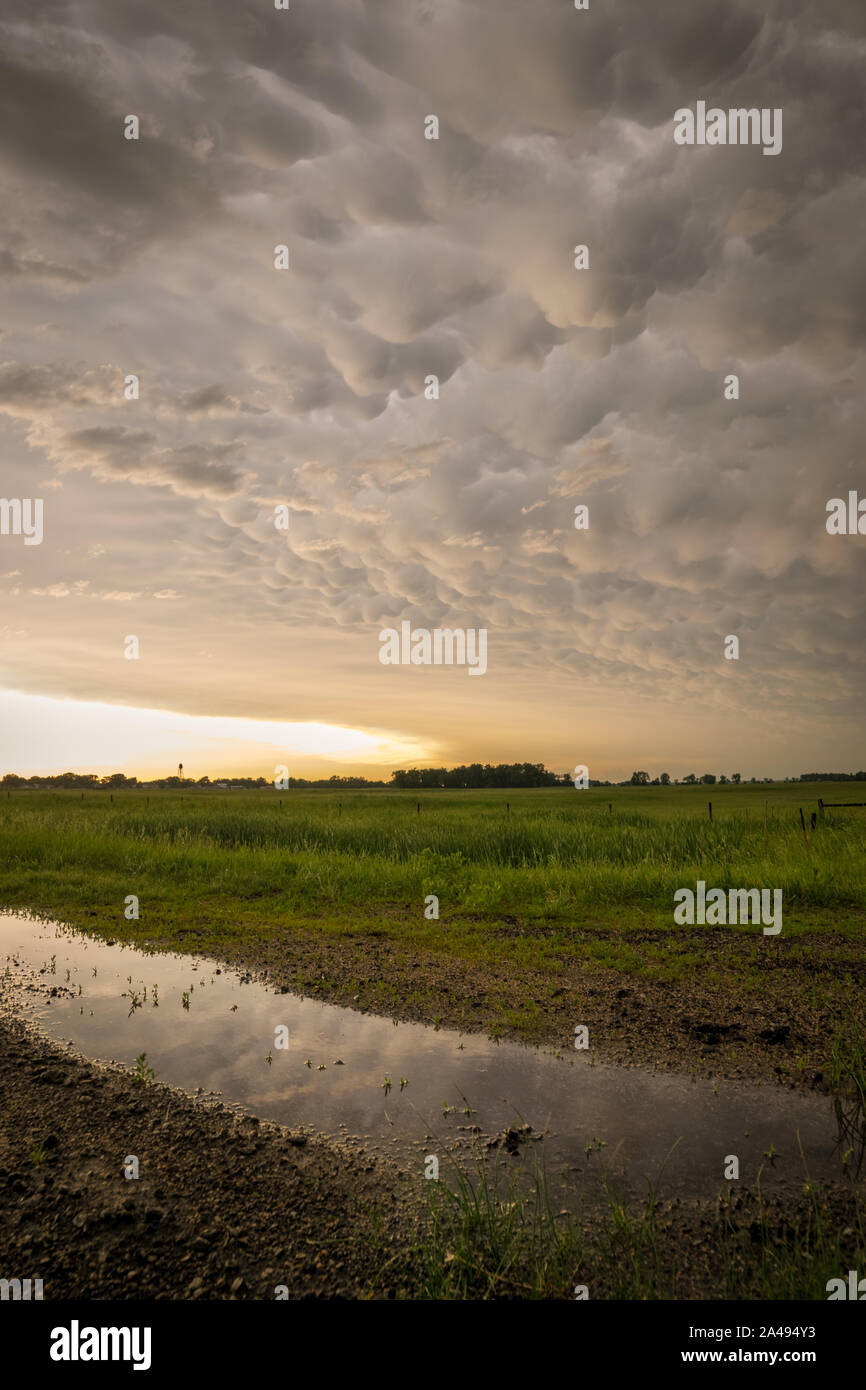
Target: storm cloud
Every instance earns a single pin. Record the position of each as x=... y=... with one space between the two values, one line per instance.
x=449 y=258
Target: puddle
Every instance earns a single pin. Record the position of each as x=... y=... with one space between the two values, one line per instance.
x=220 y=1035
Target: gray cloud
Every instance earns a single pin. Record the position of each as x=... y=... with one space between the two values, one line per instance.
x=451 y=258
x=115 y=453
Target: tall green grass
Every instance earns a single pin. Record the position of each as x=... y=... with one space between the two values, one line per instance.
x=550 y=854
x=485 y=1235
x=847 y=1080
x=488 y=1237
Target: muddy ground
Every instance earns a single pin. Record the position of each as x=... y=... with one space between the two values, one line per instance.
x=773 y=1034
x=229 y=1207
x=225 y=1206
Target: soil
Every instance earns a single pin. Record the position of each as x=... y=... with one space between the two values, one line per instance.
x=224 y=1207
x=773 y=1034
x=227 y=1207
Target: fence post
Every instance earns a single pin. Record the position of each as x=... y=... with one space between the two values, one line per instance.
x=710 y=806
x=820 y=808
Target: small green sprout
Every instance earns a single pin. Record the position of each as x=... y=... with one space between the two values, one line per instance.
x=143 y=1072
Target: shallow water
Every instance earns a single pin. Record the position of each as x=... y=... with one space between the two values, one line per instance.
x=220 y=1037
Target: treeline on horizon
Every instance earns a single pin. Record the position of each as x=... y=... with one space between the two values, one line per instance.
x=466 y=777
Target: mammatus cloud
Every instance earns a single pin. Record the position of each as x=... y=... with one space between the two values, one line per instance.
x=452 y=258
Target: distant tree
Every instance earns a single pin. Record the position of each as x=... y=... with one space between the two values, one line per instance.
x=833 y=776
x=709 y=779
x=735 y=777
x=640 y=779
x=474 y=775
x=690 y=779
x=722 y=779
x=665 y=779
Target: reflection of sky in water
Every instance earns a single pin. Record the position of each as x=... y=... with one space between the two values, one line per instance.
x=638 y=1114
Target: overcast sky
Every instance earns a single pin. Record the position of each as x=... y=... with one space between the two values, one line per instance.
x=411 y=257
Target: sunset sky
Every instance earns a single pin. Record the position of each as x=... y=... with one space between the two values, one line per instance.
x=305 y=387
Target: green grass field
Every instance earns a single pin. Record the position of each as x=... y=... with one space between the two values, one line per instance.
x=530 y=883
x=555 y=856
x=549 y=901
